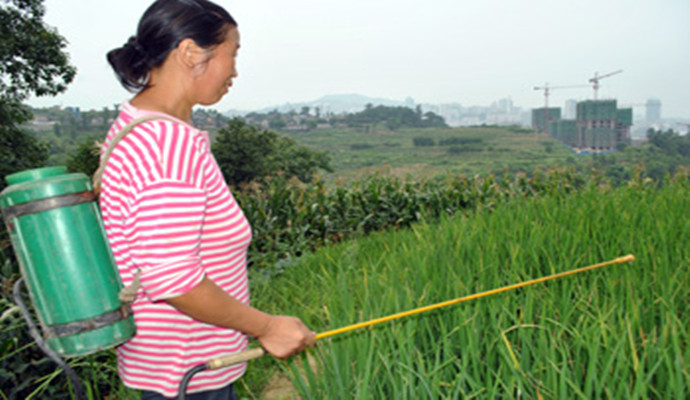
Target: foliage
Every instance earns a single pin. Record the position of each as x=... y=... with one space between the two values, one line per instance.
x=361 y=146
x=665 y=154
x=18 y=150
x=670 y=142
x=460 y=150
x=391 y=118
x=208 y=119
x=460 y=141
x=32 y=61
x=246 y=153
x=520 y=130
x=619 y=332
x=395 y=118
x=86 y=159
x=31 y=55
x=289 y=219
x=25 y=372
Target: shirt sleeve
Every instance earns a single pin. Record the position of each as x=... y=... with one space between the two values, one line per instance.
x=164 y=232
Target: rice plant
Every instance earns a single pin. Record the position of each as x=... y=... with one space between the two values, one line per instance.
x=619 y=333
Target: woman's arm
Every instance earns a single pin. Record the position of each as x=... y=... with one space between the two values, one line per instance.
x=281 y=336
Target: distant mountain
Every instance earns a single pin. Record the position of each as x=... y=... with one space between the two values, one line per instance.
x=333 y=103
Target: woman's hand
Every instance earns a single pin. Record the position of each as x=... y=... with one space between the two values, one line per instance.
x=280 y=335
x=285 y=336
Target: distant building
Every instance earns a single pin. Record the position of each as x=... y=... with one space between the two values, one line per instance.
x=74 y=112
x=653 y=111
x=570 y=110
x=541 y=117
x=503 y=106
x=599 y=126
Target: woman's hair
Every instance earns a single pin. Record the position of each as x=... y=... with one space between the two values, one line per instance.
x=162 y=27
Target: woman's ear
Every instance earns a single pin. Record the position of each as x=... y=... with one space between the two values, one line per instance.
x=190 y=54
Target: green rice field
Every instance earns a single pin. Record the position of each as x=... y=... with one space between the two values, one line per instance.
x=620 y=332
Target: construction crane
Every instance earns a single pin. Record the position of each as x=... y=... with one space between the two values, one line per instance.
x=547 y=90
x=595 y=80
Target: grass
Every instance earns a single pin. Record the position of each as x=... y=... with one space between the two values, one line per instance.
x=620 y=332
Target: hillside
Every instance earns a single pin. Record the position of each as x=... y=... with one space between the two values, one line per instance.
x=469 y=151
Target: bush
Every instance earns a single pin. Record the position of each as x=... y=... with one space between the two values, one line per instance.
x=423 y=142
x=360 y=146
x=246 y=153
x=459 y=150
x=460 y=141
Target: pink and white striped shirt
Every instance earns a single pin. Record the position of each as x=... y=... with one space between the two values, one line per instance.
x=169 y=214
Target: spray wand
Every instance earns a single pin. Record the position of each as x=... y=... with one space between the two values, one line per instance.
x=257 y=352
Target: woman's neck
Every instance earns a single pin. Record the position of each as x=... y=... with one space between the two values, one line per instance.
x=166 y=94
x=155 y=100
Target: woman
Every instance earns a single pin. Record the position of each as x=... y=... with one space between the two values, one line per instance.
x=169 y=215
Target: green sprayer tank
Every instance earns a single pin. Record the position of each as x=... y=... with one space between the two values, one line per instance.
x=63 y=253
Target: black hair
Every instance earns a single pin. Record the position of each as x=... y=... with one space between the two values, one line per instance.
x=162 y=27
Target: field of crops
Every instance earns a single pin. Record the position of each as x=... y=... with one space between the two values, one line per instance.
x=620 y=332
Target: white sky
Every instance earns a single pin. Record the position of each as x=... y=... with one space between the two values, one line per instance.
x=435 y=51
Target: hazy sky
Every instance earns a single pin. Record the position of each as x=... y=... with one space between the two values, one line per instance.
x=435 y=51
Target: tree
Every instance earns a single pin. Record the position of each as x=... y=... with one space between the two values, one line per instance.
x=32 y=62
x=246 y=153
x=86 y=159
x=18 y=150
x=31 y=54
x=395 y=118
x=670 y=142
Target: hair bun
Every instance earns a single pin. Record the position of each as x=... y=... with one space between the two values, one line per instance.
x=133 y=42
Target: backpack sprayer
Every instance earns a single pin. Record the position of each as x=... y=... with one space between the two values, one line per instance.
x=64 y=256
x=58 y=236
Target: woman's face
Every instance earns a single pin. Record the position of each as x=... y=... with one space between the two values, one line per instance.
x=216 y=76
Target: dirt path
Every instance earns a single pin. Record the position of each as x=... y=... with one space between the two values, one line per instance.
x=280 y=387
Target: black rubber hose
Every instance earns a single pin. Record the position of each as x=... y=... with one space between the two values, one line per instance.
x=182 y=393
x=33 y=331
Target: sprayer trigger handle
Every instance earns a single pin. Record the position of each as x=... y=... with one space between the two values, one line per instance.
x=244 y=356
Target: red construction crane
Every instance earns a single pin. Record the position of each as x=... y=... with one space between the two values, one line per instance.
x=595 y=80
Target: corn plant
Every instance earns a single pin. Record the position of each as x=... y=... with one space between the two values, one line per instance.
x=290 y=219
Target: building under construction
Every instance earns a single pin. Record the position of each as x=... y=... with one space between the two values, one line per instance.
x=599 y=126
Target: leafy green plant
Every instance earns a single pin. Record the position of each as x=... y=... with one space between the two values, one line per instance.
x=290 y=218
